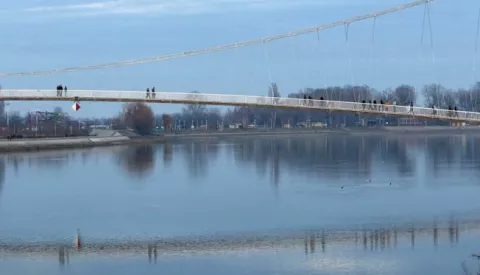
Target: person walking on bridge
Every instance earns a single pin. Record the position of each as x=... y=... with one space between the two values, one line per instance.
x=65 y=90
x=153 y=92
x=59 y=90
x=148 y=93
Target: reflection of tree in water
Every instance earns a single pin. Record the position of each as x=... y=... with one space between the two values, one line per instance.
x=50 y=159
x=137 y=160
x=85 y=157
x=470 y=153
x=441 y=150
x=397 y=151
x=453 y=152
x=198 y=155
x=326 y=156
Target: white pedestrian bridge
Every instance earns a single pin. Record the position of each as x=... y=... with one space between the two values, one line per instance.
x=241 y=100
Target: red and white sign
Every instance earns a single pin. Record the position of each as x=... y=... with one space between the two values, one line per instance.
x=76 y=106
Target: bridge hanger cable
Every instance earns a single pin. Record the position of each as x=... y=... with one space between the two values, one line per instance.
x=267 y=62
x=352 y=80
x=476 y=46
x=432 y=50
x=233 y=66
x=475 y=55
x=420 y=52
x=300 y=61
x=372 y=50
x=295 y=58
x=222 y=47
x=426 y=19
x=322 y=71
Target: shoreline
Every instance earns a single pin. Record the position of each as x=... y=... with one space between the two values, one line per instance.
x=32 y=145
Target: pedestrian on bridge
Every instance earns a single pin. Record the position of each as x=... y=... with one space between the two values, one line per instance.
x=59 y=90
x=148 y=93
x=65 y=89
x=153 y=92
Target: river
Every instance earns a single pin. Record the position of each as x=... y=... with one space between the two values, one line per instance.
x=313 y=205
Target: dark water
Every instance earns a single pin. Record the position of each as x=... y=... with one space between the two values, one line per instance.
x=316 y=205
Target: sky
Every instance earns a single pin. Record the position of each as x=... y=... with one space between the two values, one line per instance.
x=41 y=34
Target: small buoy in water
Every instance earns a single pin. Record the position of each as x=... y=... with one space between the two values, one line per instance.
x=342 y=187
x=390 y=183
x=78 y=240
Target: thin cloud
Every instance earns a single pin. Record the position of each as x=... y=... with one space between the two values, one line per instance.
x=179 y=7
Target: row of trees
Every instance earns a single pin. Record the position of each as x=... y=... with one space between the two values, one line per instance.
x=433 y=94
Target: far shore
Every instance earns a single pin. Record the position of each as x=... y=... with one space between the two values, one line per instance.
x=26 y=145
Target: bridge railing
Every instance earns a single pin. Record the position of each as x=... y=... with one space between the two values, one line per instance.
x=199 y=98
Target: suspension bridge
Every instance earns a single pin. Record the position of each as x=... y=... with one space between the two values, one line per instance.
x=242 y=100
x=358 y=105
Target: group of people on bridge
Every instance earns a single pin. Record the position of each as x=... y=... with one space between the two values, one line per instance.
x=381 y=106
x=148 y=93
x=61 y=89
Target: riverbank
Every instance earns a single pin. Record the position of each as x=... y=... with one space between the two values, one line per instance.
x=94 y=141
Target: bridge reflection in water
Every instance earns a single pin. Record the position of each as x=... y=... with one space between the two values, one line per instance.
x=311 y=241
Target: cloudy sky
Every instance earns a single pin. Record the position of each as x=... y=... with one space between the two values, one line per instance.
x=40 y=34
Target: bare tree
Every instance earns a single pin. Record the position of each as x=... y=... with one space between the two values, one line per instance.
x=434 y=95
x=194 y=109
x=464 y=99
x=404 y=95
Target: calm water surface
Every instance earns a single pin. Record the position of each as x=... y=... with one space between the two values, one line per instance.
x=316 y=205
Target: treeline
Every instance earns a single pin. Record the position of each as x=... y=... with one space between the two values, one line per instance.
x=432 y=94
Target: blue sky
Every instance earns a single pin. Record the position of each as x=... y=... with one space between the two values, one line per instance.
x=39 y=34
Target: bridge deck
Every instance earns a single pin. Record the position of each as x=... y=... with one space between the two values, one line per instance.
x=241 y=100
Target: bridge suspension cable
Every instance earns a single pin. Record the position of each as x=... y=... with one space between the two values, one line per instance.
x=222 y=47
x=350 y=66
